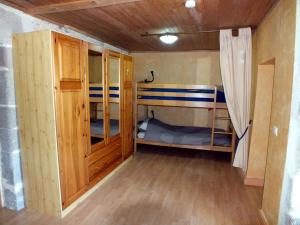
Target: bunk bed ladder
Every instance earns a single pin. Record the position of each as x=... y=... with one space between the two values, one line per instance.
x=213 y=119
x=231 y=133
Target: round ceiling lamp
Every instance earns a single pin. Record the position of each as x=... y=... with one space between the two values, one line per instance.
x=190 y=4
x=168 y=38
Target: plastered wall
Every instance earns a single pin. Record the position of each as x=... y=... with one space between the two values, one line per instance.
x=290 y=197
x=197 y=67
x=275 y=38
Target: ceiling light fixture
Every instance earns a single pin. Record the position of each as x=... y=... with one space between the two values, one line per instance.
x=190 y=4
x=168 y=38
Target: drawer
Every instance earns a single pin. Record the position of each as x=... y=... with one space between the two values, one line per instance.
x=97 y=155
x=99 y=165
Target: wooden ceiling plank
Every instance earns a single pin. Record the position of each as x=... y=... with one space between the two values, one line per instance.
x=121 y=24
x=74 y=5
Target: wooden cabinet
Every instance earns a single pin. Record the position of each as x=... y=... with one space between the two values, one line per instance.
x=69 y=83
x=127 y=106
x=52 y=93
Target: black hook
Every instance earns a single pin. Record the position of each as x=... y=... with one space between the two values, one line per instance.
x=150 y=81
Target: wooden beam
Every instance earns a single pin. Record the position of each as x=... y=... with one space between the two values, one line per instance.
x=74 y=5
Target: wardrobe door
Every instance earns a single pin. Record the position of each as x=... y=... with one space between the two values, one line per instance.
x=112 y=95
x=127 y=106
x=69 y=58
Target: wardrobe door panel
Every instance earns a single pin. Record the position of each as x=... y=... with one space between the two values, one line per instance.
x=70 y=115
x=69 y=53
x=127 y=103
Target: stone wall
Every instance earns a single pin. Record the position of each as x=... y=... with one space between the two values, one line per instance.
x=14 y=21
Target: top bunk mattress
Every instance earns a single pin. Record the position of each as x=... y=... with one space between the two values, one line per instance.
x=158 y=131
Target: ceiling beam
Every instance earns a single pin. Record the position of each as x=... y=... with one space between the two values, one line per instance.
x=74 y=5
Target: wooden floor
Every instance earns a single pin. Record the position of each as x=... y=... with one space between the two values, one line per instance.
x=166 y=187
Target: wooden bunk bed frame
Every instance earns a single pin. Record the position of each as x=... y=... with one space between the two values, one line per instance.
x=181 y=95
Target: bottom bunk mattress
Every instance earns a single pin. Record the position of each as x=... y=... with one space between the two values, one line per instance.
x=157 y=131
x=98 y=130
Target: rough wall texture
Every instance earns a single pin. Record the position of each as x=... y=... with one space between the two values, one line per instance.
x=13 y=21
x=290 y=197
x=275 y=38
x=197 y=67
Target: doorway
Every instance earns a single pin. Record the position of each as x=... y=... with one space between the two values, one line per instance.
x=261 y=124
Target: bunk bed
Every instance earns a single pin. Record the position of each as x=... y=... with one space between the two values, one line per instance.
x=96 y=97
x=155 y=132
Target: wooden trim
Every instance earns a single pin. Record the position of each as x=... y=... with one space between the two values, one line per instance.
x=74 y=5
x=114 y=54
x=257 y=182
x=105 y=61
x=135 y=111
x=213 y=118
x=221 y=148
x=97 y=146
x=178 y=86
x=208 y=105
x=221 y=106
x=175 y=94
x=196 y=147
x=70 y=85
x=95 y=48
x=223 y=132
x=97 y=135
x=262 y=218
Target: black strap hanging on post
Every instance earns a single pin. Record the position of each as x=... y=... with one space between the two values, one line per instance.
x=245 y=132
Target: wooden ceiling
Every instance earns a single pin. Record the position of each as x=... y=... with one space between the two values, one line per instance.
x=122 y=22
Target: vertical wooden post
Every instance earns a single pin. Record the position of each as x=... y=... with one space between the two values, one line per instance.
x=135 y=118
x=213 y=120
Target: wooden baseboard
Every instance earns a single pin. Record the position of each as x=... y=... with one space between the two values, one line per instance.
x=93 y=189
x=257 y=182
x=262 y=218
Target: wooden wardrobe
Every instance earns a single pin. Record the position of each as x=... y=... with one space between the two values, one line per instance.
x=52 y=93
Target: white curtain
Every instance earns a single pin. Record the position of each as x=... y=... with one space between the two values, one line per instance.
x=236 y=62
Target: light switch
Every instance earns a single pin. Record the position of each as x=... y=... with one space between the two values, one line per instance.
x=275 y=130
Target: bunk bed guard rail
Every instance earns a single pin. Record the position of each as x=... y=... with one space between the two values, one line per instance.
x=196 y=96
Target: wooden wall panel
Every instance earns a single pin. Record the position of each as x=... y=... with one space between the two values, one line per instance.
x=36 y=113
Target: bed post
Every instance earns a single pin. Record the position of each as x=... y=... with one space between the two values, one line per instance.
x=135 y=117
x=213 y=119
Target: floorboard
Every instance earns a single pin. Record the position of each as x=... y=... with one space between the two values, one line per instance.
x=162 y=186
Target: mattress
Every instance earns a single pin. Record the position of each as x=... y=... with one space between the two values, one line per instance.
x=98 y=129
x=157 y=131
